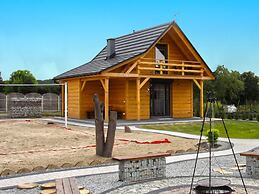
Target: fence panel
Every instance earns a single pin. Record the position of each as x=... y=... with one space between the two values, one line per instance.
x=13 y=95
x=51 y=102
x=2 y=102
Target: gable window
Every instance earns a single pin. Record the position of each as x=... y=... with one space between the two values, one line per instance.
x=161 y=56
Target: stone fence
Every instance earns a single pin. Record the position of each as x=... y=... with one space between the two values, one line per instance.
x=25 y=107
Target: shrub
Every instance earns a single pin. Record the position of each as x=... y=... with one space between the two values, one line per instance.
x=257 y=117
x=251 y=117
x=244 y=116
x=236 y=116
x=213 y=135
x=230 y=116
x=223 y=115
x=217 y=115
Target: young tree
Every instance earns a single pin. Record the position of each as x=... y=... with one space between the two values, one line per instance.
x=21 y=77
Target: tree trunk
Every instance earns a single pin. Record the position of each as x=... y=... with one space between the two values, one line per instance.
x=110 y=134
x=99 y=131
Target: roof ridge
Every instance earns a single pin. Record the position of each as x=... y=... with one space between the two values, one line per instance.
x=148 y=28
x=164 y=24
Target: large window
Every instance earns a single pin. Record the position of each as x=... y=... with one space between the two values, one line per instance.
x=161 y=55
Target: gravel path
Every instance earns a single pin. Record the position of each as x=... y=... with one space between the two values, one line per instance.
x=177 y=173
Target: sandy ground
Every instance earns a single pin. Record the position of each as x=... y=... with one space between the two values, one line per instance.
x=33 y=145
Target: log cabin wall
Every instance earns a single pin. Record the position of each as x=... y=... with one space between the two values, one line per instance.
x=91 y=87
x=117 y=95
x=174 y=50
x=73 y=98
x=131 y=103
x=182 y=99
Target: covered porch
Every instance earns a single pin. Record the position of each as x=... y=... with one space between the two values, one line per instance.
x=130 y=90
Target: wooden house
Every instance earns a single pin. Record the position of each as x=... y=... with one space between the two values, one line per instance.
x=144 y=74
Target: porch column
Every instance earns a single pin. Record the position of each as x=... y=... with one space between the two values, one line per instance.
x=106 y=99
x=201 y=99
x=138 y=98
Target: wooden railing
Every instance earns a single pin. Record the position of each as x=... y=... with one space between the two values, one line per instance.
x=170 y=67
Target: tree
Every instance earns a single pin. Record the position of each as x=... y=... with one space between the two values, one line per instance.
x=1 y=82
x=47 y=89
x=21 y=77
x=251 y=88
x=227 y=85
x=104 y=146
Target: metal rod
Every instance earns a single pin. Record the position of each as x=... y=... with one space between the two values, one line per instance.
x=232 y=149
x=66 y=104
x=24 y=85
x=210 y=150
x=199 y=145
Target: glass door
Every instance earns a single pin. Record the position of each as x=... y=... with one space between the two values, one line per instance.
x=160 y=99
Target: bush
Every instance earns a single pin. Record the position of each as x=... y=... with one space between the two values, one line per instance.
x=257 y=117
x=230 y=116
x=217 y=115
x=213 y=135
x=236 y=116
x=244 y=116
x=223 y=115
x=251 y=117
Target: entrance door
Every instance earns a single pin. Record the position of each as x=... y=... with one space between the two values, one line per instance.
x=160 y=99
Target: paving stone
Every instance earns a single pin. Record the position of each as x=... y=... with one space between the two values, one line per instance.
x=27 y=186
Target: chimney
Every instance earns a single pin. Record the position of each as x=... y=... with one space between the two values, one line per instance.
x=110 y=49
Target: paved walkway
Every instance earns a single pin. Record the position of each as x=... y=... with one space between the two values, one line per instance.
x=159 y=120
x=240 y=146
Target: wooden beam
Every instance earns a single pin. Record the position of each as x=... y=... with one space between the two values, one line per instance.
x=138 y=97
x=197 y=83
x=183 y=69
x=201 y=100
x=123 y=75
x=120 y=75
x=132 y=67
x=83 y=86
x=93 y=78
x=127 y=98
x=106 y=99
x=192 y=50
x=144 y=82
x=171 y=64
x=173 y=70
x=103 y=84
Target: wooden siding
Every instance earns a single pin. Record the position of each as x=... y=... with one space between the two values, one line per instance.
x=174 y=52
x=131 y=102
x=91 y=87
x=182 y=99
x=73 y=98
x=117 y=94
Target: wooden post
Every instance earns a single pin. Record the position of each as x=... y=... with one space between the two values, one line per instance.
x=138 y=98
x=110 y=134
x=99 y=131
x=106 y=99
x=201 y=99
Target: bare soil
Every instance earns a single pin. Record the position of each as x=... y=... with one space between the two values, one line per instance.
x=34 y=145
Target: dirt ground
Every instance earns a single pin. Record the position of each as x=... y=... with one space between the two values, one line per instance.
x=34 y=145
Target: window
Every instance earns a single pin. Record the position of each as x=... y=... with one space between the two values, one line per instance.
x=161 y=56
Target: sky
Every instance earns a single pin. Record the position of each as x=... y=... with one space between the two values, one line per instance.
x=49 y=37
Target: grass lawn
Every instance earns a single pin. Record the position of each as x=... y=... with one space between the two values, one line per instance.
x=236 y=129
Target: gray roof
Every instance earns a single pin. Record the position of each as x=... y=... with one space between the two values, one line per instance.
x=126 y=47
